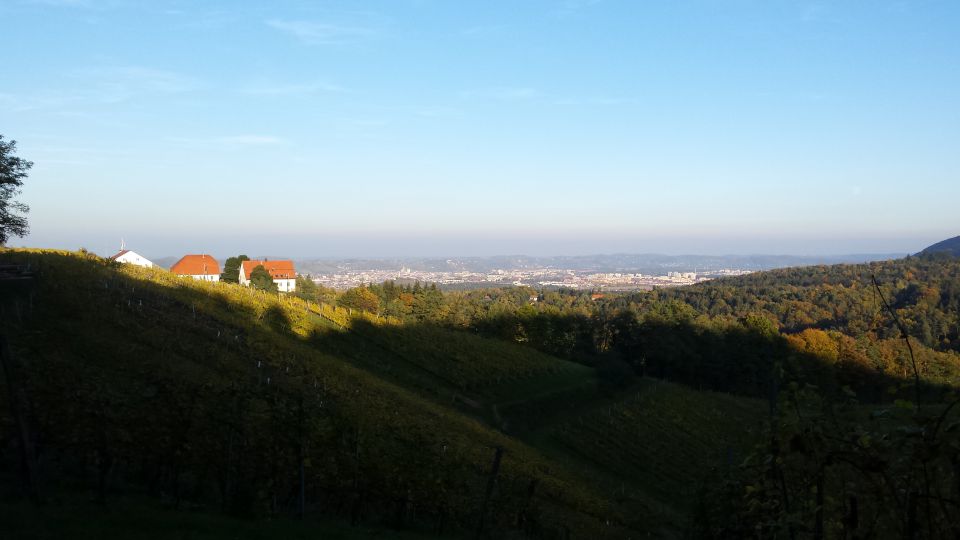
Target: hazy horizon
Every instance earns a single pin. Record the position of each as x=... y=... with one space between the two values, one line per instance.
x=304 y=248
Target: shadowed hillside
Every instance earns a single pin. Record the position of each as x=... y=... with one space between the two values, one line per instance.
x=124 y=384
x=212 y=396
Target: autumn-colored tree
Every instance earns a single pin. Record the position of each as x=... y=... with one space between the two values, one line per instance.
x=820 y=344
x=360 y=298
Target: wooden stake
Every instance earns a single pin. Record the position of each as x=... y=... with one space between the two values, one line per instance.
x=497 y=456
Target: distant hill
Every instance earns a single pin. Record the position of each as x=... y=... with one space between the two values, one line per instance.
x=165 y=262
x=650 y=263
x=951 y=246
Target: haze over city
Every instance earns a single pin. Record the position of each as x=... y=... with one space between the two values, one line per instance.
x=436 y=128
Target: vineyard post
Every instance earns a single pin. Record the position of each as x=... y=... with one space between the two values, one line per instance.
x=905 y=336
x=818 y=513
x=852 y=522
x=300 y=458
x=357 y=484
x=497 y=456
x=523 y=517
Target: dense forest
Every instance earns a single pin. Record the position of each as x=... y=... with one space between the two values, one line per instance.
x=813 y=402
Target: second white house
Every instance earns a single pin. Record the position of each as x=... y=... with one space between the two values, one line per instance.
x=282 y=272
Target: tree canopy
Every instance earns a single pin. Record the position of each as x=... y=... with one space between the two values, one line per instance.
x=13 y=170
x=262 y=280
x=231 y=269
x=360 y=298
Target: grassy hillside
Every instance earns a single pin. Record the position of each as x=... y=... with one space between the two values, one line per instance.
x=454 y=361
x=657 y=444
x=505 y=384
x=219 y=396
x=123 y=519
x=215 y=397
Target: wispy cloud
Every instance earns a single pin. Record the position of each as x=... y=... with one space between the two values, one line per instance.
x=600 y=101
x=63 y=3
x=100 y=85
x=231 y=140
x=571 y=7
x=368 y=122
x=483 y=30
x=503 y=93
x=93 y=5
x=812 y=12
x=254 y=140
x=291 y=89
x=440 y=112
x=322 y=33
x=34 y=101
x=523 y=93
x=206 y=20
x=112 y=84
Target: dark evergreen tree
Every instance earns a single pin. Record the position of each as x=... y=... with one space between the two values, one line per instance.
x=261 y=280
x=231 y=269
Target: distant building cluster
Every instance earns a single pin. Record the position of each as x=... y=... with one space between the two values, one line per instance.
x=528 y=277
x=205 y=267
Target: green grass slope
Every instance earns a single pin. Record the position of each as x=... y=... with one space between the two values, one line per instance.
x=507 y=385
x=451 y=366
x=220 y=396
x=655 y=445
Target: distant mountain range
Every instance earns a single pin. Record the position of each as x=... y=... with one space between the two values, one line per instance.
x=951 y=246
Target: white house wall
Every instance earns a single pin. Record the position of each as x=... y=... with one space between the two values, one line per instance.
x=206 y=277
x=134 y=259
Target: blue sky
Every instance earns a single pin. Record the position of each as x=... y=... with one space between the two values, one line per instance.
x=428 y=127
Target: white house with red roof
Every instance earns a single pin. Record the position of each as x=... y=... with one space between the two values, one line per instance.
x=130 y=257
x=282 y=272
x=200 y=267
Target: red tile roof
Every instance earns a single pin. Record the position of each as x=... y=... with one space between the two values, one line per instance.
x=196 y=265
x=277 y=269
x=120 y=254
